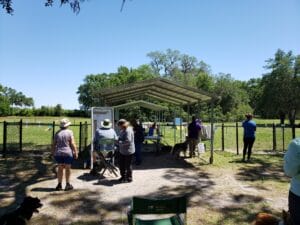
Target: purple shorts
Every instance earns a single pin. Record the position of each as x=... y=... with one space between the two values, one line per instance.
x=64 y=159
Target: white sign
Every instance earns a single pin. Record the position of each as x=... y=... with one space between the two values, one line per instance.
x=99 y=114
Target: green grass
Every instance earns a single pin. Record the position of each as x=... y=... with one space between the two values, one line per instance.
x=39 y=136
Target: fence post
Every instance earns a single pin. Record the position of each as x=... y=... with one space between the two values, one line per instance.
x=237 y=138
x=86 y=134
x=223 y=143
x=293 y=131
x=80 y=136
x=274 y=137
x=282 y=126
x=53 y=132
x=4 y=138
x=21 y=132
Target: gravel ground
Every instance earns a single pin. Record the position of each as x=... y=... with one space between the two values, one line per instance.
x=103 y=200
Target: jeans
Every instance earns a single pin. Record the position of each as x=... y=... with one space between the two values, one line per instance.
x=138 y=152
x=125 y=166
x=248 y=143
x=294 y=208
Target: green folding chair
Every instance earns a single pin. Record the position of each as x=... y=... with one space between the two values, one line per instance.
x=158 y=211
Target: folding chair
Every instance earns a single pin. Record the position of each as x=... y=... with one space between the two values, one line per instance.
x=158 y=211
x=106 y=156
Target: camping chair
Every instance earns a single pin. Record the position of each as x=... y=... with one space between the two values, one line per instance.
x=106 y=156
x=158 y=211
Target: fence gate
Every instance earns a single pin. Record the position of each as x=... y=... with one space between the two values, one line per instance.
x=12 y=136
x=83 y=136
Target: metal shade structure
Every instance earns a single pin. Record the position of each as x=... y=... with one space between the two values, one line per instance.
x=160 y=89
x=141 y=103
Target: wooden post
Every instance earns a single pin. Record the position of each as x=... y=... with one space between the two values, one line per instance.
x=53 y=132
x=282 y=126
x=293 y=131
x=20 y=135
x=86 y=134
x=80 y=133
x=274 y=137
x=223 y=141
x=211 y=159
x=237 y=138
x=4 y=139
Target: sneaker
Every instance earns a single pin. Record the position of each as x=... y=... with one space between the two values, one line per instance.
x=68 y=187
x=58 y=187
x=129 y=180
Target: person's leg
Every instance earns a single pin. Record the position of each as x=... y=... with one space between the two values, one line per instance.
x=122 y=166
x=251 y=141
x=192 y=147
x=190 y=144
x=60 y=172
x=68 y=173
x=138 y=149
x=128 y=167
x=246 y=143
x=294 y=208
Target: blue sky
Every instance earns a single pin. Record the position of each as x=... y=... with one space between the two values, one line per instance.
x=47 y=52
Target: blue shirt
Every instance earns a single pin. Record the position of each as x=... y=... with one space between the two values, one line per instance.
x=292 y=165
x=105 y=139
x=249 y=128
x=194 y=129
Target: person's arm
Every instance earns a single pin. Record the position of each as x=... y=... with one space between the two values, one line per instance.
x=53 y=147
x=292 y=160
x=73 y=146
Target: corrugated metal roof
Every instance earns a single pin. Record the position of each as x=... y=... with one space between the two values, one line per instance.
x=141 y=103
x=158 y=88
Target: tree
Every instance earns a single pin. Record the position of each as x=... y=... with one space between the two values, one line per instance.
x=234 y=100
x=74 y=4
x=254 y=90
x=94 y=83
x=280 y=94
x=10 y=98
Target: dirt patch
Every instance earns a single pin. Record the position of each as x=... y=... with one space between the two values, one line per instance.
x=103 y=200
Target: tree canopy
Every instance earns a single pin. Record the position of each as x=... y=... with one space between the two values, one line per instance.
x=9 y=98
x=7 y=5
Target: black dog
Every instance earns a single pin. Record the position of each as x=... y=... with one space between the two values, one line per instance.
x=179 y=147
x=21 y=215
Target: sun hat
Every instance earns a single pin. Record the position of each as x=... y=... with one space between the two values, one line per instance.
x=122 y=122
x=249 y=115
x=105 y=123
x=65 y=123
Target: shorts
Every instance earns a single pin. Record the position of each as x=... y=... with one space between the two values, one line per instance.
x=64 y=159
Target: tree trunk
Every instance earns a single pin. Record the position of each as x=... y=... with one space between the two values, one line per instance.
x=282 y=118
x=292 y=116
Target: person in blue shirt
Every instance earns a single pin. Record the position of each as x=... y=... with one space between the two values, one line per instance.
x=292 y=169
x=193 y=135
x=249 y=136
x=104 y=140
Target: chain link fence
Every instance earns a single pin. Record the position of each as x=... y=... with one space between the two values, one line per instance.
x=20 y=136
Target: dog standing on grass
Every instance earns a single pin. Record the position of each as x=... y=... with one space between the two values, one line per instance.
x=23 y=213
x=178 y=148
x=269 y=219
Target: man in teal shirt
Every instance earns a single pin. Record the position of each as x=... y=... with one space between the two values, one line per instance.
x=249 y=135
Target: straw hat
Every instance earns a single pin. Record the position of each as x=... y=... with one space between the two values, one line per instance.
x=65 y=123
x=105 y=123
x=123 y=122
